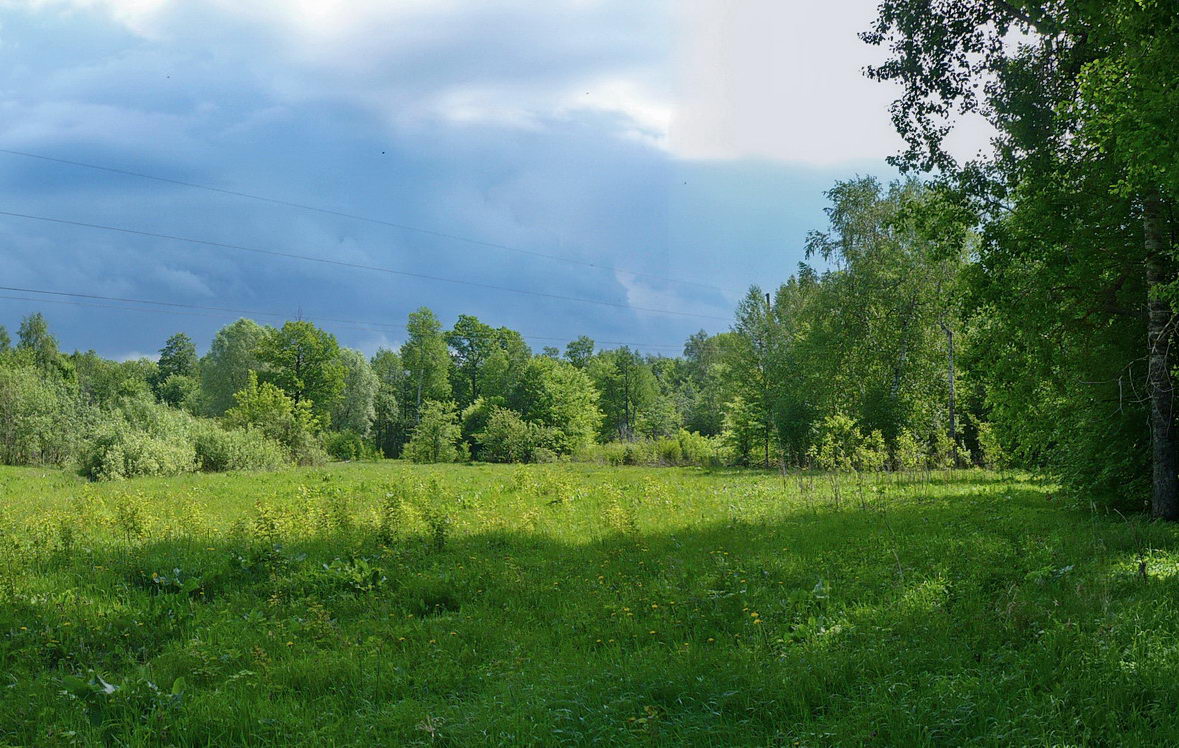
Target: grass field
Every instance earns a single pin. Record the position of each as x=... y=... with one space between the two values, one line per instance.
x=384 y=604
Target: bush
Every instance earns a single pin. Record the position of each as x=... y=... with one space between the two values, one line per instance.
x=42 y=420
x=434 y=438
x=349 y=445
x=140 y=437
x=218 y=449
x=266 y=408
x=509 y=438
x=117 y=450
x=685 y=448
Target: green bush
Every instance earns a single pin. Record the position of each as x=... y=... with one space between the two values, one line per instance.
x=42 y=419
x=349 y=445
x=685 y=448
x=141 y=437
x=266 y=408
x=509 y=438
x=219 y=449
x=436 y=436
x=117 y=450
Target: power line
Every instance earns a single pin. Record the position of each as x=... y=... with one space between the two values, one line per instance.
x=202 y=312
x=356 y=217
x=359 y=266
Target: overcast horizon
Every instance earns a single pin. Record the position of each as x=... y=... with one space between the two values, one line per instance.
x=662 y=157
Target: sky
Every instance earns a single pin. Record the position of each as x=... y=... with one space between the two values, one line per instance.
x=618 y=169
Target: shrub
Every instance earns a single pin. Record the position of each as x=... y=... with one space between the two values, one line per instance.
x=907 y=451
x=265 y=407
x=837 y=443
x=685 y=448
x=349 y=445
x=509 y=438
x=436 y=435
x=218 y=449
x=42 y=420
x=118 y=450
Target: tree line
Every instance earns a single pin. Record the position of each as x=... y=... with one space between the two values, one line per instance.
x=859 y=342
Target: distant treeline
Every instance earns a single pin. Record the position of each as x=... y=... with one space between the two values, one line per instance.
x=856 y=357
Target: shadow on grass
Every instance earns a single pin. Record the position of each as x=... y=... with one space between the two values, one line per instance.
x=808 y=620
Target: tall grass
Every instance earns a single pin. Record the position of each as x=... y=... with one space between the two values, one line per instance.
x=381 y=603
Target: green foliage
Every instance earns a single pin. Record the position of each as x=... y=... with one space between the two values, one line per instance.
x=473 y=343
x=180 y=391
x=121 y=449
x=626 y=387
x=105 y=383
x=34 y=336
x=225 y=369
x=356 y=409
x=578 y=352
x=436 y=436
x=506 y=437
x=991 y=453
x=685 y=448
x=178 y=358
x=426 y=363
x=304 y=362
x=1076 y=214
x=389 y=428
x=838 y=444
x=42 y=421
x=908 y=452
x=349 y=445
x=263 y=407
x=219 y=449
x=560 y=399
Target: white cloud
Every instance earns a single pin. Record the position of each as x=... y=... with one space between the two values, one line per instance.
x=783 y=81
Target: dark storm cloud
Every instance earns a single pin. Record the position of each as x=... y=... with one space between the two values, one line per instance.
x=460 y=120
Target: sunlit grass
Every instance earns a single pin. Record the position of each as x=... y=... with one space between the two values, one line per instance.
x=388 y=604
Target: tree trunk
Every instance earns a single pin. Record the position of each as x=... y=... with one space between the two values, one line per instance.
x=950 y=380
x=1164 y=500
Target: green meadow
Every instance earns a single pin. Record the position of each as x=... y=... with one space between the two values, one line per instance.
x=390 y=604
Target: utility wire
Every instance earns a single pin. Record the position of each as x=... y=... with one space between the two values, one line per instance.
x=359 y=266
x=356 y=217
x=366 y=326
